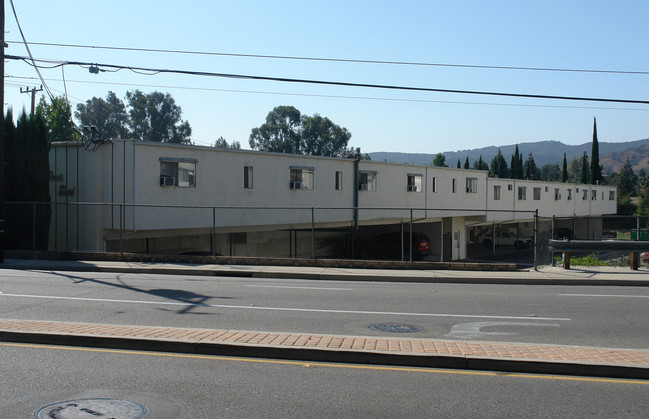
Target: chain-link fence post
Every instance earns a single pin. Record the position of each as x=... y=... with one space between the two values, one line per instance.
x=312 y=233
x=213 y=241
x=33 y=225
x=410 y=246
x=121 y=228
x=536 y=236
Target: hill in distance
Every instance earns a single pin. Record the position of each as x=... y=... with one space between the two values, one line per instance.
x=612 y=156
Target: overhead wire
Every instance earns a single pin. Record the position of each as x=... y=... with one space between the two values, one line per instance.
x=345 y=84
x=47 y=89
x=344 y=60
x=385 y=99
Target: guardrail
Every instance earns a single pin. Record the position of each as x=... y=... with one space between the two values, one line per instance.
x=568 y=246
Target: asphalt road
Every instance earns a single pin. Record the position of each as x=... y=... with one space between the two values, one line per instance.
x=66 y=380
x=587 y=315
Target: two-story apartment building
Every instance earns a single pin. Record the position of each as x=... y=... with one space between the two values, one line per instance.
x=165 y=198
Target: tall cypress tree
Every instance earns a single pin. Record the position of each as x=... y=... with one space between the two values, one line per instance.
x=466 y=163
x=27 y=164
x=595 y=167
x=584 y=176
x=564 y=171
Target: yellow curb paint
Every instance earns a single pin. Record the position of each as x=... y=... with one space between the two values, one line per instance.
x=332 y=365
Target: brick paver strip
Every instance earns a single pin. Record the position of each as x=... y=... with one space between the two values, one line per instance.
x=499 y=350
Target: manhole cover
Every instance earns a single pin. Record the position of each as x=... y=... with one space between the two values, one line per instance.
x=87 y=408
x=396 y=328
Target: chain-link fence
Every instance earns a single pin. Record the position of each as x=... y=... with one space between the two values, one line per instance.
x=396 y=234
x=610 y=227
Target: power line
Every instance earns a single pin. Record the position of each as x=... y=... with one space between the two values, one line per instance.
x=385 y=99
x=341 y=60
x=96 y=66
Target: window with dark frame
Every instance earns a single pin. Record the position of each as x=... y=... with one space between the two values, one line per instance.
x=247 y=177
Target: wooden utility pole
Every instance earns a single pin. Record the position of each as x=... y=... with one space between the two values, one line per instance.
x=2 y=134
x=33 y=91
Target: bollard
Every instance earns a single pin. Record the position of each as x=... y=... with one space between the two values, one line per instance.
x=635 y=259
x=566 y=260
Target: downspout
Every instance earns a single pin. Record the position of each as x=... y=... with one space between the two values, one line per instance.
x=357 y=159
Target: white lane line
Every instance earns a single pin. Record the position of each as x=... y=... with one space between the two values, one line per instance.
x=300 y=288
x=604 y=295
x=306 y=310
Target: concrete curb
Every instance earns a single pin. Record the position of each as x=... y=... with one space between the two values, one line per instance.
x=491 y=279
x=510 y=365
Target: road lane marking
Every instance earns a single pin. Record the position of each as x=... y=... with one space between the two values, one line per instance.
x=325 y=365
x=472 y=330
x=604 y=295
x=306 y=310
x=300 y=288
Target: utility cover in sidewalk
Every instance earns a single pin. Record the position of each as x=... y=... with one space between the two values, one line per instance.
x=396 y=328
x=87 y=408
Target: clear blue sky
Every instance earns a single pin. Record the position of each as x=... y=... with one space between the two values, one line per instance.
x=595 y=35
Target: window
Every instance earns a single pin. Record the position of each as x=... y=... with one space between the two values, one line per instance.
x=178 y=172
x=497 y=193
x=593 y=195
x=537 y=194
x=611 y=195
x=339 y=181
x=472 y=185
x=522 y=193
x=414 y=183
x=546 y=188
x=366 y=181
x=557 y=194
x=454 y=185
x=247 y=177
x=435 y=185
x=569 y=194
x=302 y=178
x=510 y=187
x=585 y=195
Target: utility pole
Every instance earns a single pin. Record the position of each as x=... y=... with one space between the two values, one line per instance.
x=33 y=91
x=2 y=134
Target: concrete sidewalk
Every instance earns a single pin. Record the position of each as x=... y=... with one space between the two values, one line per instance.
x=545 y=275
x=492 y=356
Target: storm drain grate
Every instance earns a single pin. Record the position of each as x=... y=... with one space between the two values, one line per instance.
x=88 y=408
x=396 y=328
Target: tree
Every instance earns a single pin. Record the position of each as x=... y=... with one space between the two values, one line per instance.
x=584 y=176
x=531 y=172
x=57 y=116
x=480 y=165
x=574 y=169
x=27 y=172
x=222 y=143
x=459 y=165
x=550 y=172
x=286 y=130
x=108 y=115
x=627 y=180
x=564 y=170
x=643 y=196
x=440 y=160
x=321 y=137
x=280 y=133
x=498 y=166
x=156 y=117
x=595 y=167
x=466 y=163
x=516 y=166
